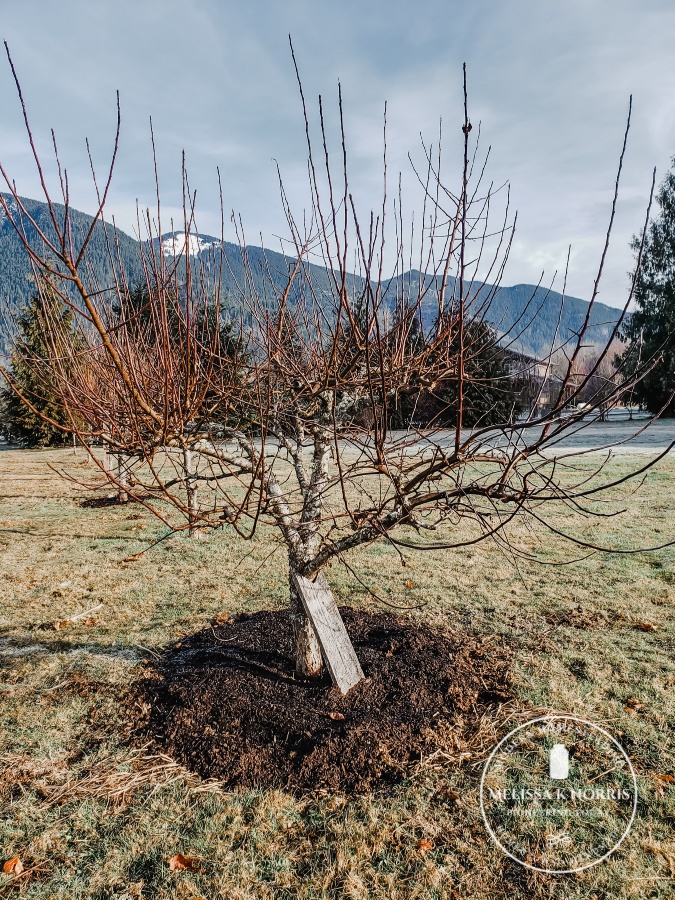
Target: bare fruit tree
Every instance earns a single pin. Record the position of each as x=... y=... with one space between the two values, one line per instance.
x=288 y=424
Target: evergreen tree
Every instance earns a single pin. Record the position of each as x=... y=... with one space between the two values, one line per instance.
x=403 y=408
x=650 y=330
x=33 y=376
x=225 y=357
x=490 y=394
x=151 y=318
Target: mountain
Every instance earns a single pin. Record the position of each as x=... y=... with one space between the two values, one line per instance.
x=264 y=270
x=526 y=314
x=16 y=277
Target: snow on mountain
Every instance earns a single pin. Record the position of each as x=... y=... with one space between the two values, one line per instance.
x=11 y=204
x=176 y=244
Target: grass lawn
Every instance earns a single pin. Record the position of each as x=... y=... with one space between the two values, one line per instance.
x=90 y=816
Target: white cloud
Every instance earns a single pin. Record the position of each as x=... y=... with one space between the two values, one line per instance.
x=549 y=82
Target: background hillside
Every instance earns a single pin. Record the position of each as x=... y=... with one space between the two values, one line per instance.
x=531 y=312
x=16 y=277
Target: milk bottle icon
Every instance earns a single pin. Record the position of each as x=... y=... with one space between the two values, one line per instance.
x=558 y=762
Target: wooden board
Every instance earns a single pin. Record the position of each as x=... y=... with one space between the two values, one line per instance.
x=336 y=647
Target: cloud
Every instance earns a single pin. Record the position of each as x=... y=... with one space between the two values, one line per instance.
x=549 y=83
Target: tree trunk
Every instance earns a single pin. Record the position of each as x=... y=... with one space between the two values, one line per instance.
x=308 y=661
x=190 y=463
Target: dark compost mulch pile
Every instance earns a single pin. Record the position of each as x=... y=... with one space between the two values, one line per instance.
x=225 y=702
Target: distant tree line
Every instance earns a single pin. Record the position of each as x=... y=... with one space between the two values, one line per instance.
x=32 y=413
x=491 y=392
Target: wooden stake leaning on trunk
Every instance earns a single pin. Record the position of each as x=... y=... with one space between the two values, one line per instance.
x=122 y=478
x=336 y=647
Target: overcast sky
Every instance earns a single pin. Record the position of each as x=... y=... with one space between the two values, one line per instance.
x=549 y=82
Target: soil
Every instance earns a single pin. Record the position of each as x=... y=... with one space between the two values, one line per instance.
x=226 y=704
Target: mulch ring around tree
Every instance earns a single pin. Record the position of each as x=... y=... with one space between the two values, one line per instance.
x=225 y=703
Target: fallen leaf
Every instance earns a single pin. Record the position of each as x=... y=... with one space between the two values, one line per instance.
x=646 y=626
x=13 y=866
x=663 y=783
x=410 y=584
x=180 y=863
x=222 y=618
x=425 y=846
x=335 y=716
x=450 y=795
x=633 y=706
x=64 y=623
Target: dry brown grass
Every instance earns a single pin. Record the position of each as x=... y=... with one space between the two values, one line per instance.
x=92 y=817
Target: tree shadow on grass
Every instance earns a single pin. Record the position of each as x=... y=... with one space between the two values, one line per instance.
x=13 y=649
